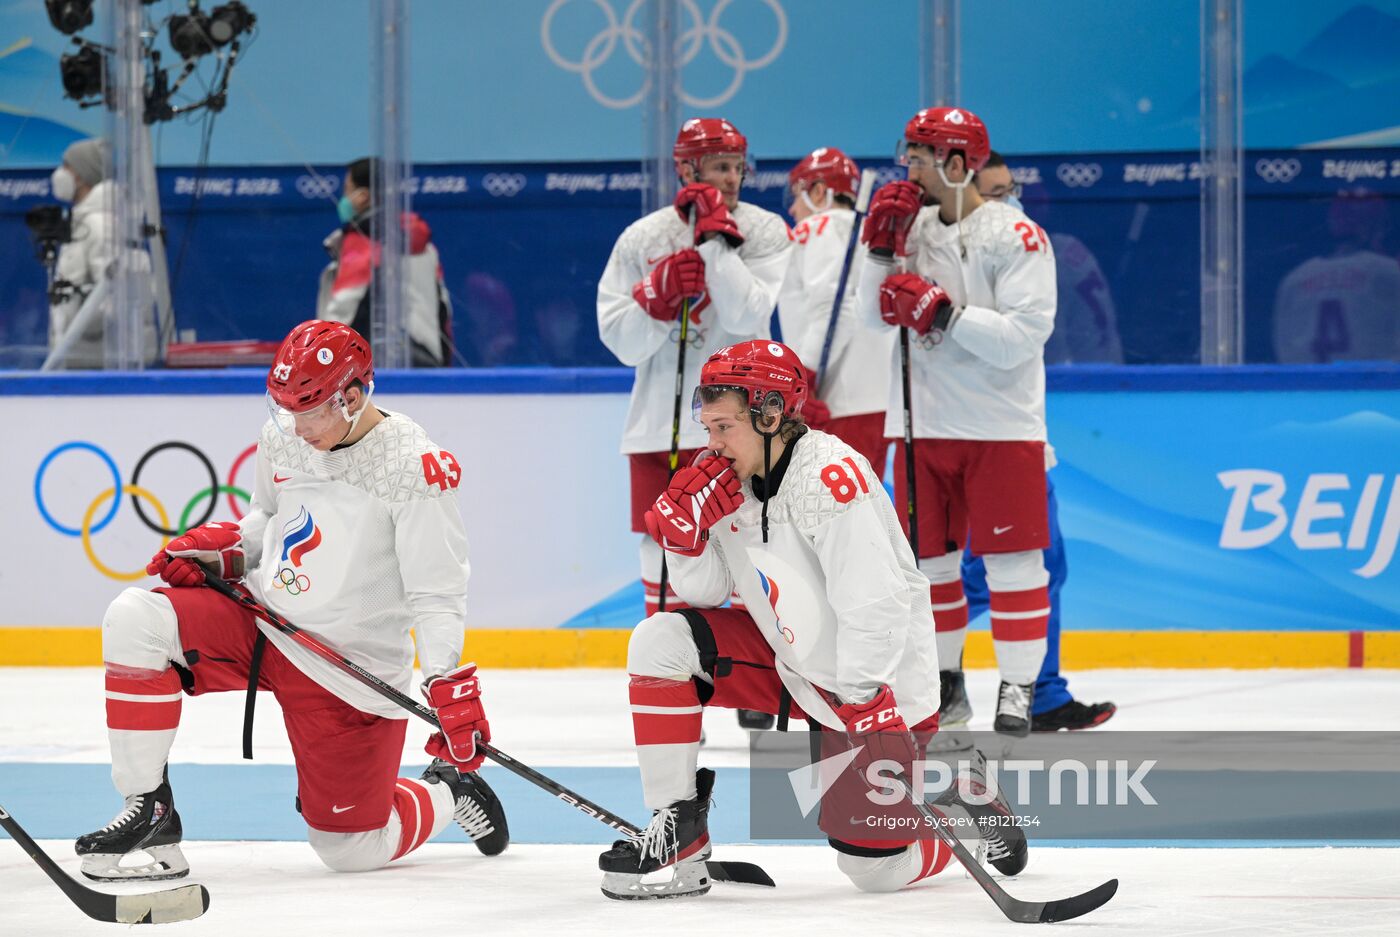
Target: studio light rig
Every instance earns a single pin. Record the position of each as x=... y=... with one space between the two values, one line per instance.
x=193 y=35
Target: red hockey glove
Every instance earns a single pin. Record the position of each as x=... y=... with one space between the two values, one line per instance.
x=711 y=214
x=815 y=413
x=879 y=729
x=891 y=215
x=908 y=299
x=456 y=698
x=211 y=547
x=695 y=500
x=662 y=291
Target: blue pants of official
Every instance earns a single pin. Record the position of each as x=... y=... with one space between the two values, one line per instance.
x=1051 y=691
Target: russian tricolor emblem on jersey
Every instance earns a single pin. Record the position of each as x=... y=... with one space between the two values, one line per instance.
x=299 y=537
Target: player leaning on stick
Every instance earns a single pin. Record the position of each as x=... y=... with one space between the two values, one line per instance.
x=836 y=619
x=974 y=283
x=354 y=532
x=730 y=269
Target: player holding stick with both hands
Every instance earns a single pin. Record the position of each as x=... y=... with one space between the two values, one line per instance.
x=354 y=532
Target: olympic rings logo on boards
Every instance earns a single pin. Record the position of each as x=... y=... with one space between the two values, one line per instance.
x=1079 y=175
x=503 y=184
x=198 y=509
x=317 y=187
x=1278 y=170
x=723 y=43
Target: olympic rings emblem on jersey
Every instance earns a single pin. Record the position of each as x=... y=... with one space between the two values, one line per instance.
x=695 y=339
x=317 y=187
x=198 y=509
x=1277 y=170
x=1079 y=175
x=722 y=43
x=503 y=184
x=293 y=582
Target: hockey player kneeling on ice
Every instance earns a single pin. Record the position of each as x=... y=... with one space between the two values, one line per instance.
x=354 y=534
x=836 y=621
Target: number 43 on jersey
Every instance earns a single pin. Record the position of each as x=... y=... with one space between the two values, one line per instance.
x=441 y=469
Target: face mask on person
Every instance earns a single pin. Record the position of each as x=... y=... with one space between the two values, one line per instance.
x=1014 y=202
x=64 y=184
x=345 y=209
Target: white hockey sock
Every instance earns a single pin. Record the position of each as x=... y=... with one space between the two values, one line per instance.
x=949 y=607
x=140 y=635
x=1020 y=611
x=666 y=712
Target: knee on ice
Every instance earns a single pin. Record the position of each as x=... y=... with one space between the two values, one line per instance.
x=872 y=874
x=349 y=852
x=662 y=645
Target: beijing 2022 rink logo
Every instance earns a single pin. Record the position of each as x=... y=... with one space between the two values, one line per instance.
x=695 y=33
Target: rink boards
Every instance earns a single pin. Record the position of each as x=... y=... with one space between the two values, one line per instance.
x=1213 y=517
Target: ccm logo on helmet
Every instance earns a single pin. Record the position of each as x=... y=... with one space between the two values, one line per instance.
x=883 y=717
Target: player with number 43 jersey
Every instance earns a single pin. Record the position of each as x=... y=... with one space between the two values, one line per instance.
x=353 y=535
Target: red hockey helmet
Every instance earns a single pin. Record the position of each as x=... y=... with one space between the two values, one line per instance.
x=944 y=129
x=827 y=165
x=318 y=360
x=767 y=373
x=707 y=136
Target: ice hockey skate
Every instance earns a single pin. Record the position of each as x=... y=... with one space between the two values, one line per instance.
x=954 y=713
x=678 y=838
x=1001 y=843
x=478 y=810
x=1014 y=709
x=147 y=829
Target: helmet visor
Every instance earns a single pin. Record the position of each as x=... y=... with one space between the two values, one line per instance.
x=312 y=422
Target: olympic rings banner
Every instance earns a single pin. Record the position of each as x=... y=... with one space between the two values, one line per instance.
x=98 y=484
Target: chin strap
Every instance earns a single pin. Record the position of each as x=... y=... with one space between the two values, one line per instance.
x=807 y=200
x=958 y=201
x=767 y=479
x=353 y=420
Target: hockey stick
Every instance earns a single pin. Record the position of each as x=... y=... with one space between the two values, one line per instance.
x=1022 y=912
x=156 y=907
x=745 y=873
x=867 y=183
x=911 y=498
x=674 y=462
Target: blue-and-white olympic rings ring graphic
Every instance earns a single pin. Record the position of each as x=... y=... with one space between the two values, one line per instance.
x=1079 y=175
x=724 y=44
x=1278 y=170
x=185 y=519
x=503 y=184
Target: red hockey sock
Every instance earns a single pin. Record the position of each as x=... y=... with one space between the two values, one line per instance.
x=421 y=818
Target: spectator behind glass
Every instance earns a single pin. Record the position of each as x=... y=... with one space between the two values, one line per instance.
x=1086 y=323
x=1345 y=305
x=345 y=293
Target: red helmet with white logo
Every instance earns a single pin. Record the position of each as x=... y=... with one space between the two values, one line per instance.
x=707 y=136
x=768 y=373
x=944 y=129
x=827 y=165
x=318 y=359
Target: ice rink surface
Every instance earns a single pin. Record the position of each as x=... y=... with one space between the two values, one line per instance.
x=576 y=722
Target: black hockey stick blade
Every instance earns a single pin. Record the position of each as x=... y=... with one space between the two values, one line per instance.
x=739 y=873
x=157 y=907
x=1068 y=908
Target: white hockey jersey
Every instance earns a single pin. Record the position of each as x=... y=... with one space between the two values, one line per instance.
x=835 y=590
x=741 y=289
x=1342 y=308
x=857 y=378
x=357 y=546
x=986 y=379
